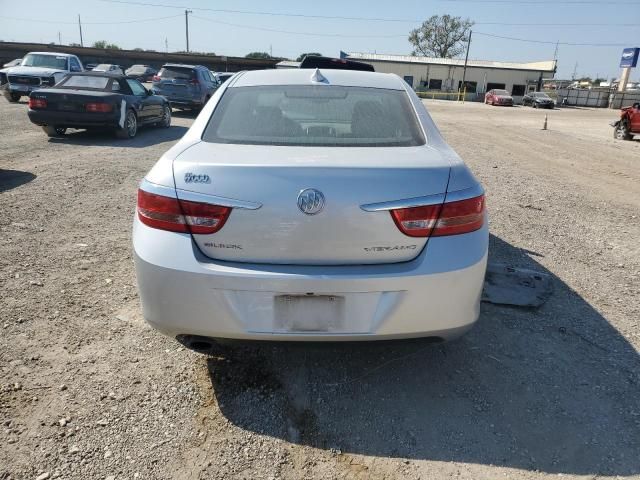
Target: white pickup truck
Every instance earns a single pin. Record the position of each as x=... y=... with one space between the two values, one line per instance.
x=37 y=70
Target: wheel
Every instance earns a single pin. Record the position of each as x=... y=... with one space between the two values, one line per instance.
x=166 y=117
x=14 y=97
x=53 y=131
x=130 y=126
x=621 y=132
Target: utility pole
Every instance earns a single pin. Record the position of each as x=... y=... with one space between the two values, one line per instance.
x=59 y=39
x=166 y=44
x=186 y=23
x=80 y=27
x=271 y=50
x=466 y=59
x=575 y=69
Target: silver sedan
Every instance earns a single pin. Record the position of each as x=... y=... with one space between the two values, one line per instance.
x=311 y=205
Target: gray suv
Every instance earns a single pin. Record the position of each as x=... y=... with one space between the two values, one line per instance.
x=185 y=86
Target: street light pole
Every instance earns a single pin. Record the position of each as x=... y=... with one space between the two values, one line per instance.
x=80 y=27
x=186 y=23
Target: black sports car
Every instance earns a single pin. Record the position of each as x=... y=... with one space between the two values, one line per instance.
x=95 y=100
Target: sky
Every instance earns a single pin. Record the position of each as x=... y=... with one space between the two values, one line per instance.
x=380 y=26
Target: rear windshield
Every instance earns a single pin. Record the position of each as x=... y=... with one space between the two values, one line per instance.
x=310 y=115
x=501 y=92
x=178 y=73
x=138 y=69
x=85 y=81
x=47 y=61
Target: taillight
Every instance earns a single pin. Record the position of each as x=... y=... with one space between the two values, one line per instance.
x=37 y=103
x=451 y=218
x=98 y=107
x=167 y=213
x=155 y=78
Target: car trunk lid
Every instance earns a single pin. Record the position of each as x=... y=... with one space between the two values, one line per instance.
x=272 y=178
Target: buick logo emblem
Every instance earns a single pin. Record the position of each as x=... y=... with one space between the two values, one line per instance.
x=310 y=201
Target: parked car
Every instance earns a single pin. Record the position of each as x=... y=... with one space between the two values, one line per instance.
x=223 y=76
x=629 y=123
x=293 y=212
x=97 y=100
x=498 y=97
x=13 y=63
x=538 y=100
x=186 y=86
x=37 y=69
x=143 y=73
x=108 y=68
x=90 y=66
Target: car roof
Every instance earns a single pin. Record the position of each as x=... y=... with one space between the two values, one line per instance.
x=303 y=76
x=182 y=65
x=53 y=54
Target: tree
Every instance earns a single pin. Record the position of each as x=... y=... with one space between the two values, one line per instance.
x=302 y=55
x=258 y=55
x=105 y=45
x=440 y=36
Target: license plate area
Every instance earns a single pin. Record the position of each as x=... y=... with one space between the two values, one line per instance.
x=309 y=313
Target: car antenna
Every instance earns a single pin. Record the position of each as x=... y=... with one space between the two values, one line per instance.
x=318 y=77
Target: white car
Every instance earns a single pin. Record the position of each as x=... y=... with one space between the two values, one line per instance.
x=108 y=68
x=311 y=205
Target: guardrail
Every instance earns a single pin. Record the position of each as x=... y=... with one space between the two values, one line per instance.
x=459 y=96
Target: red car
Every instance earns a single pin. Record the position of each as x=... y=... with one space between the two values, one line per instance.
x=629 y=123
x=498 y=97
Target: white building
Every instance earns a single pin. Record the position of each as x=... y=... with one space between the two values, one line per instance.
x=445 y=74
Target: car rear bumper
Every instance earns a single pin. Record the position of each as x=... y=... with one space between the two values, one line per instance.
x=185 y=293
x=74 y=119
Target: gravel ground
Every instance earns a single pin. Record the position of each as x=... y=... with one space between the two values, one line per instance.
x=87 y=390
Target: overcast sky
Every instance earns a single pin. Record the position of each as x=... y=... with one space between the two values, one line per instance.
x=229 y=33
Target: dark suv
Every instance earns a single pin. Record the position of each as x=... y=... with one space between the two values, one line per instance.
x=185 y=86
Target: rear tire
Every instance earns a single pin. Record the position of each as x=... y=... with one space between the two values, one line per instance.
x=14 y=97
x=53 y=131
x=621 y=132
x=130 y=127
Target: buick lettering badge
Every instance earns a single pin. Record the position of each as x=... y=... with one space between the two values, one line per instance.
x=196 y=178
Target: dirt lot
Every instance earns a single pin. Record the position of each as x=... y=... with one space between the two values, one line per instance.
x=87 y=390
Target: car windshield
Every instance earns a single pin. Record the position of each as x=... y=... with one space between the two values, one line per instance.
x=137 y=69
x=84 y=82
x=540 y=95
x=103 y=67
x=176 y=73
x=46 y=61
x=501 y=92
x=310 y=115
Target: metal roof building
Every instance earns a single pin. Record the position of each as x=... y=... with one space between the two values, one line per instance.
x=445 y=74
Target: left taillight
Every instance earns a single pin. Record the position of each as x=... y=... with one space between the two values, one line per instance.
x=450 y=218
x=168 y=213
x=37 y=103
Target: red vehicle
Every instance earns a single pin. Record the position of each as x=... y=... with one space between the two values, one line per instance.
x=629 y=123
x=498 y=97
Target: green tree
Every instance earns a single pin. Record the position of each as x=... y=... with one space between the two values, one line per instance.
x=100 y=44
x=302 y=55
x=263 y=55
x=440 y=36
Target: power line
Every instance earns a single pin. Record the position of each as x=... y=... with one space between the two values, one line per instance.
x=310 y=34
x=90 y=23
x=549 y=42
x=554 y=2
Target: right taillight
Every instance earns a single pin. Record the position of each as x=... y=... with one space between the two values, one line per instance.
x=450 y=218
x=174 y=215
x=37 y=103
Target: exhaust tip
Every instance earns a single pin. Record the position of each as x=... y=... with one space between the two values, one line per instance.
x=196 y=343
